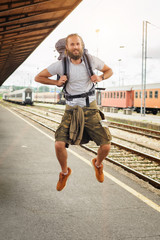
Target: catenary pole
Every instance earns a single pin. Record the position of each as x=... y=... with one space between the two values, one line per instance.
x=142 y=80
x=144 y=67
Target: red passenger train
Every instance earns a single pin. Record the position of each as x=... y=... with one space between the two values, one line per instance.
x=130 y=97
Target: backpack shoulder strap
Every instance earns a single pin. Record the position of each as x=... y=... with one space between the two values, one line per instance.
x=65 y=65
x=88 y=65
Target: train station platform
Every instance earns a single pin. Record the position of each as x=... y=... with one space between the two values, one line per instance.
x=149 y=121
x=31 y=208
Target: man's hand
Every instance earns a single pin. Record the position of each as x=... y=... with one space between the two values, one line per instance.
x=61 y=81
x=95 y=78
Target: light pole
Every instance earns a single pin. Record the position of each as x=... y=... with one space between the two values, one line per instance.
x=144 y=63
x=119 y=60
x=97 y=31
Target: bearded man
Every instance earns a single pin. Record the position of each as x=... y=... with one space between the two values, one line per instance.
x=79 y=84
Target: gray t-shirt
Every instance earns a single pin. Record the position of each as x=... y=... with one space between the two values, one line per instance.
x=79 y=80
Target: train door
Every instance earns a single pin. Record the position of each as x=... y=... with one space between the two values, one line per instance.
x=99 y=97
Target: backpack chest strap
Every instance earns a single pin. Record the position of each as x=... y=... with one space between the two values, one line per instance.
x=86 y=95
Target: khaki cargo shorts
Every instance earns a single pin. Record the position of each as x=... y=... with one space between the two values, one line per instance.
x=100 y=135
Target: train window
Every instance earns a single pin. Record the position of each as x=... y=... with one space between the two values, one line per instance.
x=105 y=95
x=140 y=94
x=150 y=94
x=136 y=94
x=111 y=94
x=124 y=94
x=114 y=95
x=121 y=94
x=108 y=94
x=146 y=94
x=117 y=94
x=156 y=94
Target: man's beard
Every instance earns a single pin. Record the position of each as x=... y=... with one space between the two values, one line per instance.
x=73 y=56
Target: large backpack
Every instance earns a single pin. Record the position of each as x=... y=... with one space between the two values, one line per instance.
x=60 y=47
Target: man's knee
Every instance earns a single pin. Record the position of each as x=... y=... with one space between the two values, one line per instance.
x=59 y=146
x=105 y=147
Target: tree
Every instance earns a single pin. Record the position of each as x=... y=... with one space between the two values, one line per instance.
x=43 y=89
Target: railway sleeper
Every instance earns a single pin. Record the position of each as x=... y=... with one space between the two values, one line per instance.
x=119 y=154
x=123 y=158
x=157 y=178
x=138 y=161
x=152 y=175
x=147 y=169
x=137 y=164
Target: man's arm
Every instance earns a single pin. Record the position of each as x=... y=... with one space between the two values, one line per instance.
x=44 y=77
x=107 y=72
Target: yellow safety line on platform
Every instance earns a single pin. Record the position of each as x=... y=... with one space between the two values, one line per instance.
x=120 y=183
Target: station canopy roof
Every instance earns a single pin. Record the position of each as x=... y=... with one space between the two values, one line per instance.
x=24 y=25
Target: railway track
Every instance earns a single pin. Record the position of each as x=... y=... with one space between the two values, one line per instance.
x=138 y=130
x=125 y=127
x=59 y=114
x=143 y=165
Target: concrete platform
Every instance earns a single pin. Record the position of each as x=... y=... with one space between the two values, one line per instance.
x=148 y=121
x=31 y=208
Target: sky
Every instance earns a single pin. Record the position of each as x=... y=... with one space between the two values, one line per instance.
x=118 y=41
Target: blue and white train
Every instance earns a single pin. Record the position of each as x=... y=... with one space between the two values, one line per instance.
x=22 y=96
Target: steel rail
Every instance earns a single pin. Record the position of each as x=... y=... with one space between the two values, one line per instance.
x=128 y=169
x=135 y=129
x=142 y=154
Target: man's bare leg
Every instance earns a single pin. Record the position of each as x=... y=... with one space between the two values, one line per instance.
x=97 y=162
x=102 y=153
x=61 y=154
